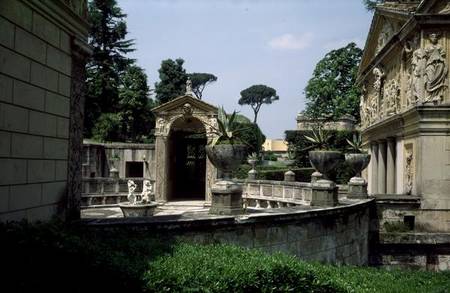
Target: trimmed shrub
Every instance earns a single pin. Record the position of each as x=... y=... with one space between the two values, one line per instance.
x=224 y=268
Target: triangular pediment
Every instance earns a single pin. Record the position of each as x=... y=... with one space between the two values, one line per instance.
x=179 y=102
x=386 y=24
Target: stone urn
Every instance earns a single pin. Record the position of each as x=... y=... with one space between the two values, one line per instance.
x=226 y=157
x=138 y=210
x=357 y=162
x=357 y=187
x=226 y=194
x=252 y=173
x=325 y=161
x=324 y=191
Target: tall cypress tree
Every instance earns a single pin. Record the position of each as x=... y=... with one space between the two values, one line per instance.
x=109 y=43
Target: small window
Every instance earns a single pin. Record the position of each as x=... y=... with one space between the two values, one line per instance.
x=134 y=169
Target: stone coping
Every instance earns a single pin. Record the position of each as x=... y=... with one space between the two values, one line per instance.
x=396 y=199
x=414 y=238
x=199 y=220
x=102 y=179
x=120 y=145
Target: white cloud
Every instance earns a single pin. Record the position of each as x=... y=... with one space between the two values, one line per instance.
x=291 y=42
x=336 y=44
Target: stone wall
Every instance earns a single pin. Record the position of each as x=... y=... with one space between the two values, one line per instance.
x=99 y=158
x=333 y=235
x=38 y=40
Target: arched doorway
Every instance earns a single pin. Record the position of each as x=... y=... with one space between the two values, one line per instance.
x=187 y=159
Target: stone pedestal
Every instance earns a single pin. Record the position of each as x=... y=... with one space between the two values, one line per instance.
x=357 y=188
x=114 y=173
x=289 y=176
x=226 y=198
x=324 y=193
x=252 y=174
x=316 y=176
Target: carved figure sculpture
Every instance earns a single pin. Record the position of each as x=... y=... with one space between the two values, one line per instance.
x=436 y=70
x=131 y=188
x=409 y=171
x=376 y=103
x=147 y=191
x=418 y=64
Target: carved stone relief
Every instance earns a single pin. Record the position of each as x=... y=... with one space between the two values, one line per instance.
x=392 y=97
x=386 y=34
x=427 y=74
x=409 y=168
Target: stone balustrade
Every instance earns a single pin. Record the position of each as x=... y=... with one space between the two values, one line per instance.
x=278 y=194
x=105 y=191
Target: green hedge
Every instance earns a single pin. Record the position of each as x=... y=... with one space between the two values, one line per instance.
x=224 y=268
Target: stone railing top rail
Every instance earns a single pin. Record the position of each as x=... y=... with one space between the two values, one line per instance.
x=274 y=182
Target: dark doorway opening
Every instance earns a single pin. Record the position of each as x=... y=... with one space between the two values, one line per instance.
x=134 y=169
x=188 y=161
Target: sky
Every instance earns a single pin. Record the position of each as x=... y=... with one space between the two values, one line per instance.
x=246 y=42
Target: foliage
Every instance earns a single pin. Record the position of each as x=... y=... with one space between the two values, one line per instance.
x=109 y=127
x=371 y=4
x=332 y=91
x=228 y=130
x=173 y=79
x=107 y=39
x=199 y=82
x=256 y=96
x=253 y=156
x=337 y=141
x=55 y=257
x=135 y=106
x=356 y=143
x=225 y=268
x=133 y=120
x=319 y=138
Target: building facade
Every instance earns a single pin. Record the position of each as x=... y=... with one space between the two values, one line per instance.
x=405 y=106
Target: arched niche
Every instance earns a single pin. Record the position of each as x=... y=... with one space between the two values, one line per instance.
x=183 y=128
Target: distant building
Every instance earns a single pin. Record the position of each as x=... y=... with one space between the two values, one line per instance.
x=278 y=146
x=346 y=122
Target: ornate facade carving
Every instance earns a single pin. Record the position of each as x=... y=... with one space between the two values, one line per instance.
x=385 y=35
x=436 y=70
x=392 y=97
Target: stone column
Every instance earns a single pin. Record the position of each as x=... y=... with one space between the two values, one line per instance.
x=381 y=167
x=161 y=173
x=390 y=166
x=374 y=168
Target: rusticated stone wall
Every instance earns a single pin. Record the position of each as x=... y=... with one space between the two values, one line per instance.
x=42 y=50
